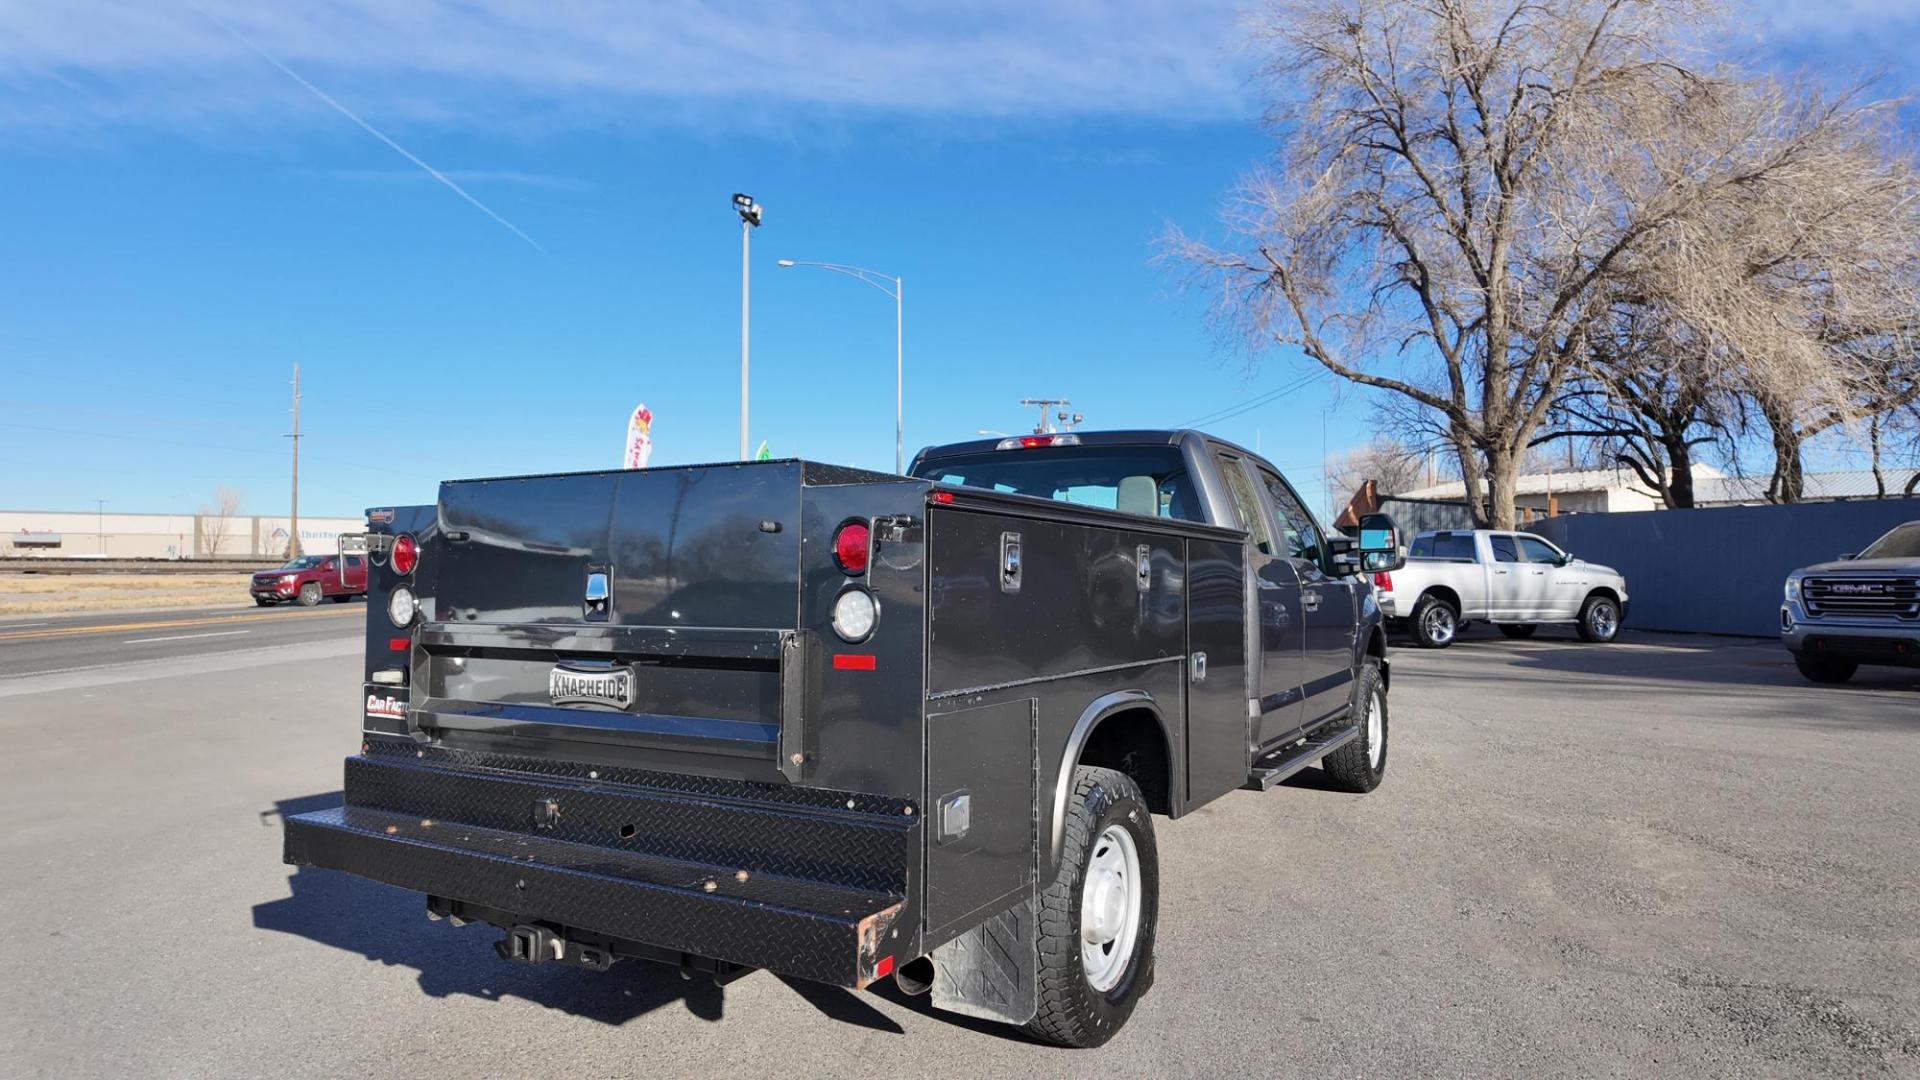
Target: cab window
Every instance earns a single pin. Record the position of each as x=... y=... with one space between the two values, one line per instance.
x=1504 y=549
x=1537 y=550
x=1245 y=505
x=1302 y=535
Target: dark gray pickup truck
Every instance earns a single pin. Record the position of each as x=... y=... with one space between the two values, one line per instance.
x=843 y=725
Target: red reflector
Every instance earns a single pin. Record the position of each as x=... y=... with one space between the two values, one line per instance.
x=944 y=498
x=850 y=547
x=852 y=662
x=1383 y=580
x=884 y=968
x=406 y=555
x=398 y=644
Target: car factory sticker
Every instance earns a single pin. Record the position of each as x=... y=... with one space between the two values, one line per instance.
x=386 y=707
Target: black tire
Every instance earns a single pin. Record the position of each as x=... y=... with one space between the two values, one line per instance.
x=310 y=594
x=1599 y=619
x=1824 y=669
x=1435 y=622
x=1352 y=767
x=1072 y=1013
x=261 y=601
x=1518 y=631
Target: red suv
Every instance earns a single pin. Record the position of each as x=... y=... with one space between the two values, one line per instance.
x=310 y=577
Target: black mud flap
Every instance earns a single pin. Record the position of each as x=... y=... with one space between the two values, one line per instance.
x=988 y=971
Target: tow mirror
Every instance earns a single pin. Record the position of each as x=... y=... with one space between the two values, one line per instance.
x=1380 y=544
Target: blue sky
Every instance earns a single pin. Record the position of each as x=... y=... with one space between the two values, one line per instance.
x=181 y=223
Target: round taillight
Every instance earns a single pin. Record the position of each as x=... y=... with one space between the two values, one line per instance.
x=854 y=614
x=406 y=555
x=850 y=547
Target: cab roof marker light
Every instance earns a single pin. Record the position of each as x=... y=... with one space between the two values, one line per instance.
x=1035 y=442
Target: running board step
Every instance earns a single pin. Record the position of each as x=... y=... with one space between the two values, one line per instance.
x=1287 y=760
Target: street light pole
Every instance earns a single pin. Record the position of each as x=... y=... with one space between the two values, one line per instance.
x=749 y=212
x=898 y=290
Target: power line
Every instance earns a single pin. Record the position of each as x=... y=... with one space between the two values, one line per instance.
x=1232 y=411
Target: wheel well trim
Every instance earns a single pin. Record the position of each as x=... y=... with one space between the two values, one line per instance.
x=1098 y=710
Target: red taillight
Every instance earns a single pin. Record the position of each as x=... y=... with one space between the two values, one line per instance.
x=850 y=547
x=406 y=555
x=1383 y=581
x=943 y=498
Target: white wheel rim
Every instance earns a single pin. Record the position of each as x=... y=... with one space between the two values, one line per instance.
x=1439 y=624
x=1110 y=908
x=1376 y=733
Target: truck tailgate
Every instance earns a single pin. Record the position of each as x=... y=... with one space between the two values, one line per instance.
x=653 y=609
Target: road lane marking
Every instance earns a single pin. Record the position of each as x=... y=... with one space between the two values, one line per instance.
x=21 y=625
x=183 y=637
x=163 y=624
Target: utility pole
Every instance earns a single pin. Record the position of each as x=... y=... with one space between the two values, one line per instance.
x=750 y=213
x=1045 y=426
x=293 y=524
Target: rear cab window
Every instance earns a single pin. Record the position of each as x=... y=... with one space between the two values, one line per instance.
x=1151 y=481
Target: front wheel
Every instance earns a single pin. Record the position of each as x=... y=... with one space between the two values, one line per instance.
x=1824 y=669
x=1360 y=765
x=1435 y=623
x=310 y=594
x=1096 y=921
x=1599 y=619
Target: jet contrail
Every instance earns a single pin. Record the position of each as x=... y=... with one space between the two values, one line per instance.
x=369 y=128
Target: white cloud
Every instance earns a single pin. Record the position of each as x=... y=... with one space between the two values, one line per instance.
x=478 y=63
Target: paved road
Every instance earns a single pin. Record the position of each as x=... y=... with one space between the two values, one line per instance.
x=38 y=645
x=1665 y=858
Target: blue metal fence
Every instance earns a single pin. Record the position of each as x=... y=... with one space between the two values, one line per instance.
x=1719 y=570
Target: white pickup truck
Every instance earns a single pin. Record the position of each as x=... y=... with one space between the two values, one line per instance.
x=1517 y=581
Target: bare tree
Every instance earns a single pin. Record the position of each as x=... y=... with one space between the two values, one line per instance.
x=1392 y=465
x=1463 y=180
x=215 y=517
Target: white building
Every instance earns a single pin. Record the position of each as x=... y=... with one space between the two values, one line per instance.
x=89 y=534
x=1585 y=491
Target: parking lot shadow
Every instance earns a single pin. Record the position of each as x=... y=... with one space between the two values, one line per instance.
x=390 y=925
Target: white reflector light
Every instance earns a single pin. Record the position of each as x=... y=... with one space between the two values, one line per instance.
x=401 y=606
x=854 y=614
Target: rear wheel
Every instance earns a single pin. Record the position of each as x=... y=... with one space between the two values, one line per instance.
x=1096 y=921
x=1518 y=631
x=1599 y=619
x=1360 y=765
x=1824 y=669
x=310 y=594
x=1435 y=623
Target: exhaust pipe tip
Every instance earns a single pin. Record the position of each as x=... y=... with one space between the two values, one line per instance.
x=915 y=977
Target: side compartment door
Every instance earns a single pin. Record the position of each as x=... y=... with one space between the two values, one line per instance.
x=1274 y=609
x=1326 y=604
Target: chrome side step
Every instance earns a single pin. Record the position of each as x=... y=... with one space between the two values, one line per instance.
x=1287 y=760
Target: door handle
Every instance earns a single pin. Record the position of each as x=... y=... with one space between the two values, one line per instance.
x=1310 y=600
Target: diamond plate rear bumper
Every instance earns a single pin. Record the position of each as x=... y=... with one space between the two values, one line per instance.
x=755 y=875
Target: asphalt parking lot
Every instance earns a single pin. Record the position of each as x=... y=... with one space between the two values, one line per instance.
x=1667 y=857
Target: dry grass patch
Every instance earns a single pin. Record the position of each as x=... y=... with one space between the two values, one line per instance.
x=67 y=594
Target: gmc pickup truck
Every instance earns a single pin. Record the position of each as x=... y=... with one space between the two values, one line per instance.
x=844 y=725
x=1517 y=581
x=1859 y=609
x=310 y=578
